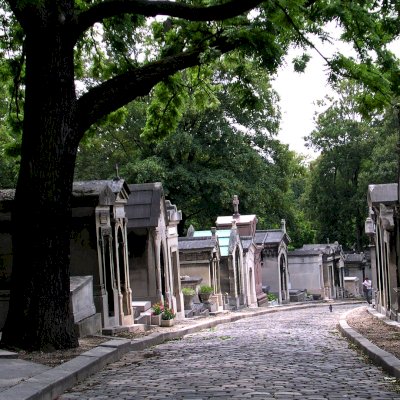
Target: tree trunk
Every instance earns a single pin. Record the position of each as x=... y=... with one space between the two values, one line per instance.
x=39 y=317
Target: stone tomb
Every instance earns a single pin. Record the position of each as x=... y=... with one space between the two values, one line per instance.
x=252 y=272
x=318 y=268
x=86 y=320
x=274 y=255
x=153 y=247
x=99 y=247
x=382 y=227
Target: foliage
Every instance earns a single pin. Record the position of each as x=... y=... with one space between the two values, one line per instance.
x=168 y=313
x=188 y=291
x=158 y=308
x=272 y=297
x=206 y=289
x=337 y=185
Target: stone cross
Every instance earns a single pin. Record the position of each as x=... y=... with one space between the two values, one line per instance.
x=116 y=168
x=235 y=203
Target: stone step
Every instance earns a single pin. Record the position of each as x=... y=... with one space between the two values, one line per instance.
x=141 y=306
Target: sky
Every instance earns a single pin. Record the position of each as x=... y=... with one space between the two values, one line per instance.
x=299 y=92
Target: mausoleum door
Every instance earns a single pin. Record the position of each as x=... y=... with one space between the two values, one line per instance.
x=122 y=269
x=283 y=278
x=108 y=272
x=162 y=273
x=238 y=268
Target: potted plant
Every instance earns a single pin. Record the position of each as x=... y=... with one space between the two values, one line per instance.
x=167 y=316
x=272 y=299
x=156 y=314
x=205 y=292
x=188 y=294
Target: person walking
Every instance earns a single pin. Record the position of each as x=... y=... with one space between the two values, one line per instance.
x=367 y=288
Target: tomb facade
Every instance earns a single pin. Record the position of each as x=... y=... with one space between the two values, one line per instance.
x=383 y=229
x=274 y=256
x=318 y=268
x=153 y=247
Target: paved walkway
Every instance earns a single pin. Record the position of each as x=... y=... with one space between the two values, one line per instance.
x=296 y=354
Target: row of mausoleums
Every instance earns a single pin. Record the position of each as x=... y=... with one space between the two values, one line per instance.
x=126 y=255
x=382 y=226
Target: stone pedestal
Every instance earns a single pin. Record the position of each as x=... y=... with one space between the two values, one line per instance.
x=155 y=319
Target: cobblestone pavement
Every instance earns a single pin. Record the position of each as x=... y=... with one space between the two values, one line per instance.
x=296 y=354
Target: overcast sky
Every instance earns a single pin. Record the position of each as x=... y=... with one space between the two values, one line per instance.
x=299 y=92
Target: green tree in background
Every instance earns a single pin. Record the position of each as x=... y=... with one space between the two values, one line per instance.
x=351 y=147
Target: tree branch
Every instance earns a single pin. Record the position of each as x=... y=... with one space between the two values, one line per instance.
x=151 y=8
x=118 y=91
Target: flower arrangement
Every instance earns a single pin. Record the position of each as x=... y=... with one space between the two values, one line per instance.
x=158 y=309
x=168 y=313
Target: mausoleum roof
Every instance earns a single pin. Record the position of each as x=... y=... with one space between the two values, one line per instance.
x=223 y=236
x=246 y=242
x=144 y=205
x=105 y=192
x=240 y=219
x=354 y=258
x=386 y=194
x=198 y=243
x=317 y=249
x=271 y=236
x=94 y=188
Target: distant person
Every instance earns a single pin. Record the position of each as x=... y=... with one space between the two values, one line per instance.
x=367 y=289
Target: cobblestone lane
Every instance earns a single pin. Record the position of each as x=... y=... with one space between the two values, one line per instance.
x=295 y=354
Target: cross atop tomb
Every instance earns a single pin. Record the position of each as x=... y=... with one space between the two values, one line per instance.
x=235 y=203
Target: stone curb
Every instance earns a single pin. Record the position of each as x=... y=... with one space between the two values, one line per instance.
x=55 y=381
x=380 y=357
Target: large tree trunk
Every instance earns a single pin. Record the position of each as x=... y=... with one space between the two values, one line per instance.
x=39 y=317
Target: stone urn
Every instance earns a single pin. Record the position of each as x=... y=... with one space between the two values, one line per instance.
x=188 y=295
x=205 y=292
x=204 y=297
x=187 y=302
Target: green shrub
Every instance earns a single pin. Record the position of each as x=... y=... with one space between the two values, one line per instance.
x=272 y=297
x=188 y=291
x=205 y=289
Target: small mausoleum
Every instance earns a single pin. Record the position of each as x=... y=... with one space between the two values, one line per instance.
x=274 y=265
x=246 y=227
x=318 y=269
x=153 y=248
x=382 y=228
x=99 y=246
x=356 y=265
